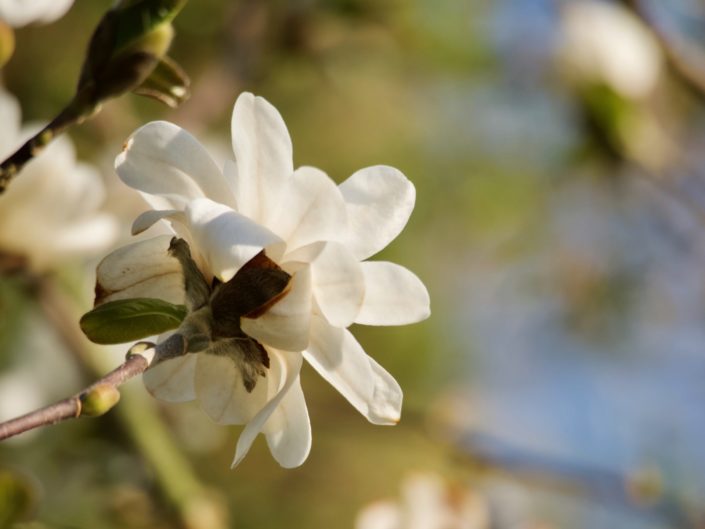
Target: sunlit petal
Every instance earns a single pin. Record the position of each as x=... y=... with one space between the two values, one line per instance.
x=311 y=209
x=163 y=159
x=379 y=202
x=393 y=295
x=340 y=359
x=263 y=153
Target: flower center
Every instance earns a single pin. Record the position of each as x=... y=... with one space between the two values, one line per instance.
x=215 y=310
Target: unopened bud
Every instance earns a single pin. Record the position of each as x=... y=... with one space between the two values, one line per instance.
x=99 y=400
x=129 y=42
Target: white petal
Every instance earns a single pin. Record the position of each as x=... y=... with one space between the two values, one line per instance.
x=147 y=219
x=312 y=209
x=286 y=325
x=224 y=238
x=393 y=295
x=21 y=12
x=288 y=430
x=289 y=366
x=163 y=159
x=142 y=269
x=221 y=391
x=379 y=202
x=340 y=359
x=11 y=119
x=263 y=153
x=338 y=282
x=172 y=380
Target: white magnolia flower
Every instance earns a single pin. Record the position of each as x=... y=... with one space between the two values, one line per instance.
x=22 y=12
x=261 y=223
x=50 y=211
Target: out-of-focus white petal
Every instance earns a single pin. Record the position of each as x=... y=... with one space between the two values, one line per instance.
x=311 y=209
x=379 y=202
x=221 y=392
x=264 y=156
x=284 y=371
x=172 y=380
x=340 y=359
x=286 y=325
x=338 y=282
x=142 y=269
x=86 y=236
x=380 y=515
x=22 y=12
x=288 y=429
x=393 y=295
x=163 y=159
x=11 y=119
x=224 y=238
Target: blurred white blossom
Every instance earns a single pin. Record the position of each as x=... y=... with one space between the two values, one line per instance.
x=428 y=502
x=257 y=215
x=22 y=12
x=604 y=43
x=50 y=212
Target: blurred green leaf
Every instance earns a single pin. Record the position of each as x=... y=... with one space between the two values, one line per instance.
x=126 y=320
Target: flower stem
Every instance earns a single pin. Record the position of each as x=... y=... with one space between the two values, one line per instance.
x=138 y=359
x=75 y=112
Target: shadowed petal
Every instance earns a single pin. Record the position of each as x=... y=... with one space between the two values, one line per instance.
x=140 y=270
x=221 y=391
x=379 y=202
x=172 y=380
x=393 y=295
x=284 y=371
x=288 y=430
x=163 y=159
x=264 y=156
x=340 y=359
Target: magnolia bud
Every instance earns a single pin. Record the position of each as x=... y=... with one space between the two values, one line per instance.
x=99 y=400
x=129 y=42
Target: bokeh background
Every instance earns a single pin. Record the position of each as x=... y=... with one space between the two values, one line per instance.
x=558 y=151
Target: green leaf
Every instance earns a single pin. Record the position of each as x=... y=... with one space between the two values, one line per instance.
x=126 y=320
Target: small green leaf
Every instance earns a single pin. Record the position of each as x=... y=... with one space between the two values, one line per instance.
x=126 y=320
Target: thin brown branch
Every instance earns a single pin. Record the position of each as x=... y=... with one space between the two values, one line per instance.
x=94 y=400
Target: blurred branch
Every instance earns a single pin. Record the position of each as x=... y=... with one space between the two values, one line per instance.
x=196 y=505
x=93 y=401
x=692 y=76
x=644 y=494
